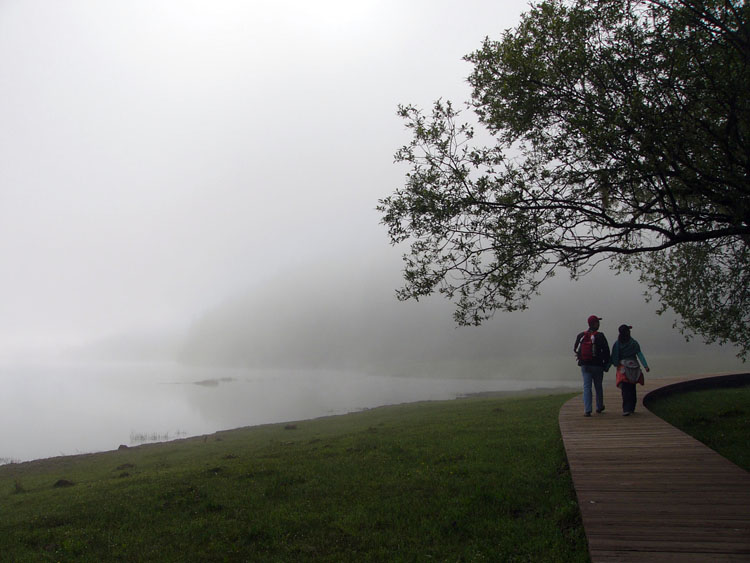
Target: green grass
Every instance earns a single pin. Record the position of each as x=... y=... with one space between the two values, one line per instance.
x=479 y=479
x=720 y=418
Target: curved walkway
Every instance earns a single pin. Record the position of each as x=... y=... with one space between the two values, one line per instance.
x=649 y=492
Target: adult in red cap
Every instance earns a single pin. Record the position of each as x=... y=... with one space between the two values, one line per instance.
x=592 y=351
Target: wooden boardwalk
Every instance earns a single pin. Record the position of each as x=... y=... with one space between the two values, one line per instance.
x=649 y=492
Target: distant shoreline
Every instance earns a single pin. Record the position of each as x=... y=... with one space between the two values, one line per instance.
x=521 y=392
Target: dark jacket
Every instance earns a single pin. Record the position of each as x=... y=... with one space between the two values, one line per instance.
x=602 y=351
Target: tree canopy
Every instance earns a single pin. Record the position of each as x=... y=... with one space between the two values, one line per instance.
x=615 y=131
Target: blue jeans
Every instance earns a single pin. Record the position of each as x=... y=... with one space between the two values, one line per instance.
x=592 y=374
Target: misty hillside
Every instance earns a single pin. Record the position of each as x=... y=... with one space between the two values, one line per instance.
x=332 y=321
x=352 y=320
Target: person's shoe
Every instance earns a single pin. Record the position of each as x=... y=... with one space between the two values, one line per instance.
x=627 y=413
x=600 y=411
x=587 y=414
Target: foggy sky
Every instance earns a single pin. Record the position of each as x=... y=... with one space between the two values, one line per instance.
x=160 y=158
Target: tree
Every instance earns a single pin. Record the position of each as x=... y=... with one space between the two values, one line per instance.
x=618 y=131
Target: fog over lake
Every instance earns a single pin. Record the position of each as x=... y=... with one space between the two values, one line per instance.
x=64 y=409
x=188 y=234
x=280 y=353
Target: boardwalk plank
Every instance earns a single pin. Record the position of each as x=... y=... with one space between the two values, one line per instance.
x=649 y=492
x=660 y=557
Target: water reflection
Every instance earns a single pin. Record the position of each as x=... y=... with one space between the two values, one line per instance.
x=61 y=409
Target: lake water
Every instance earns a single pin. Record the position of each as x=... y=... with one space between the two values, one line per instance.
x=48 y=410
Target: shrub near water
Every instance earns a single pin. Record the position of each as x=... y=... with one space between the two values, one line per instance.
x=467 y=480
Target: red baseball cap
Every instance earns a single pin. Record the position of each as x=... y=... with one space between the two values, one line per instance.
x=594 y=318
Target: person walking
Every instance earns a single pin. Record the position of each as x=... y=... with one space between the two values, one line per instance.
x=626 y=352
x=592 y=351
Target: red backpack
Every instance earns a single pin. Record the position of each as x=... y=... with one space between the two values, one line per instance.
x=587 y=346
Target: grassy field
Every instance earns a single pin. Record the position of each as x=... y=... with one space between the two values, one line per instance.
x=479 y=479
x=720 y=418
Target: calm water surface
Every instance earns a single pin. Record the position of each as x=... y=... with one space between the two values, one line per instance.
x=69 y=408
